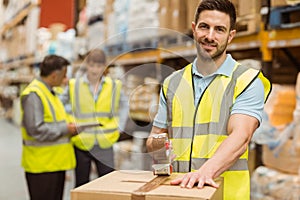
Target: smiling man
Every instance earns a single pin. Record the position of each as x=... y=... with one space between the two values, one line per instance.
x=211 y=108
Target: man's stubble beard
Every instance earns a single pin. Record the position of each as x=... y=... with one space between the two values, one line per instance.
x=206 y=57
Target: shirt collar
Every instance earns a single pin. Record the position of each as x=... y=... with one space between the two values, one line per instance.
x=86 y=80
x=225 y=69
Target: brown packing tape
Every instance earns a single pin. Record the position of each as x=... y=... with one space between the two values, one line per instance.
x=139 y=194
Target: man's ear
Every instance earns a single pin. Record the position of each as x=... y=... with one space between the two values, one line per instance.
x=193 y=26
x=53 y=75
x=232 y=34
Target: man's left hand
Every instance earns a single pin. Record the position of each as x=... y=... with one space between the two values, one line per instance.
x=192 y=178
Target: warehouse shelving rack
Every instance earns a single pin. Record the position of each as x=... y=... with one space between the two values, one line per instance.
x=265 y=41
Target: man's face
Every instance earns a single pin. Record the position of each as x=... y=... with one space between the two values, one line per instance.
x=95 y=70
x=212 y=34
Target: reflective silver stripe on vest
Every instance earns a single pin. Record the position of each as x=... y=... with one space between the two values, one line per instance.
x=220 y=127
x=182 y=132
x=35 y=143
x=49 y=103
x=183 y=166
x=92 y=115
x=172 y=88
x=100 y=131
x=80 y=115
x=241 y=164
x=180 y=166
x=211 y=128
x=113 y=103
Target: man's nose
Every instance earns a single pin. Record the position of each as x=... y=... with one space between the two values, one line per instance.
x=210 y=34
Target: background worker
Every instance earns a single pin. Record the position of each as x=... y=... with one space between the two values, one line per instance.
x=95 y=97
x=47 y=151
x=211 y=108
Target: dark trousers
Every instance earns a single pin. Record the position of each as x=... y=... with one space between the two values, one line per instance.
x=103 y=159
x=46 y=186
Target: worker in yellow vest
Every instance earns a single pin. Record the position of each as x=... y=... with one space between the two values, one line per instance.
x=95 y=97
x=47 y=150
x=211 y=108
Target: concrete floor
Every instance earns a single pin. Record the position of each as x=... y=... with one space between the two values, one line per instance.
x=13 y=185
x=12 y=176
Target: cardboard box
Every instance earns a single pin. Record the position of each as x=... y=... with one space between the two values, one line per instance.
x=120 y=185
x=288 y=159
x=165 y=14
x=278 y=3
x=249 y=7
x=178 y=18
x=191 y=9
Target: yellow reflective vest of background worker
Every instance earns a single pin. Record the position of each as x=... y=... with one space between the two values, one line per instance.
x=104 y=111
x=47 y=156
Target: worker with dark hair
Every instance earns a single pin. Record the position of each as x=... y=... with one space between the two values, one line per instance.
x=47 y=150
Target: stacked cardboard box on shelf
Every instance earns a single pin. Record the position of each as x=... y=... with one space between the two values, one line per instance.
x=270 y=184
x=279 y=3
x=281 y=154
x=281 y=104
x=179 y=12
x=280 y=108
x=248 y=16
x=279 y=177
x=165 y=17
x=143 y=97
x=286 y=161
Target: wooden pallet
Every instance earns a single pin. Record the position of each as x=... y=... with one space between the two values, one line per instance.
x=248 y=24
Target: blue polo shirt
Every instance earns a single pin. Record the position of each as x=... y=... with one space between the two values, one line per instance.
x=250 y=102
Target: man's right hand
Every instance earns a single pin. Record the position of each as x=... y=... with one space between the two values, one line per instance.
x=73 y=129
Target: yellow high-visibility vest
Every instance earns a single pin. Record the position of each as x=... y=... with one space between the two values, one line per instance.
x=58 y=155
x=197 y=132
x=104 y=110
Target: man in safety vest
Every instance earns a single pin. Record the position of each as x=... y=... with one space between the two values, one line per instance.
x=211 y=108
x=97 y=98
x=47 y=150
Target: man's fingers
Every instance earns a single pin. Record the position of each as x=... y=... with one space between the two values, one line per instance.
x=210 y=182
x=213 y=183
x=176 y=181
x=184 y=182
x=191 y=182
x=201 y=183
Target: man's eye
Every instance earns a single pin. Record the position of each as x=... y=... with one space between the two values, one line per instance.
x=203 y=26
x=220 y=29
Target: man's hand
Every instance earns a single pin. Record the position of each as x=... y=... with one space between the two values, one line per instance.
x=191 y=178
x=154 y=131
x=73 y=129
